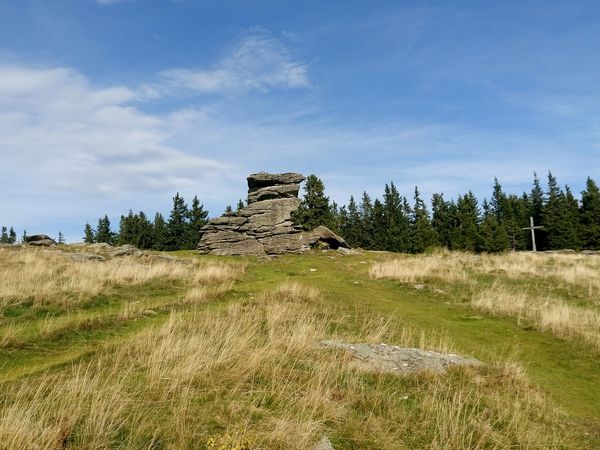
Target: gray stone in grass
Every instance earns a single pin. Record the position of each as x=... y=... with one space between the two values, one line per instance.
x=87 y=257
x=324 y=444
x=391 y=358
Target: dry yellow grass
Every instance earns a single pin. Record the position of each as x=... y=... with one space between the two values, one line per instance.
x=572 y=272
x=253 y=370
x=440 y=266
x=52 y=278
x=569 y=269
x=545 y=313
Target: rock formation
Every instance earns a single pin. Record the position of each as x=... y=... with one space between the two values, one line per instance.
x=40 y=240
x=265 y=226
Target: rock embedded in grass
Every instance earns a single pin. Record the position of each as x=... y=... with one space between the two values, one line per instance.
x=391 y=358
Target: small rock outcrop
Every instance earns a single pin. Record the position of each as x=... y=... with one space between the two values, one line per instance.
x=391 y=358
x=40 y=240
x=265 y=226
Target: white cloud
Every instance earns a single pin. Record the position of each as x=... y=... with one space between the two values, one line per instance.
x=258 y=63
x=64 y=142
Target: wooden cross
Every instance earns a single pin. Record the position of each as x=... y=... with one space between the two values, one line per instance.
x=532 y=228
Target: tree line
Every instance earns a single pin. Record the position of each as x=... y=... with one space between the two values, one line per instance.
x=8 y=236
x=181 y=231
x=395 y=223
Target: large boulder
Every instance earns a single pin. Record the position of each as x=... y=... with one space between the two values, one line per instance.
x=265 y=226
x=40 y=240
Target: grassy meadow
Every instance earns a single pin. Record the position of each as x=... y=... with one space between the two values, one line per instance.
x=223 y=352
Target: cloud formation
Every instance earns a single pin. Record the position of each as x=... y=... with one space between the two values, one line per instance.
x=60 y=134
x=258 y=63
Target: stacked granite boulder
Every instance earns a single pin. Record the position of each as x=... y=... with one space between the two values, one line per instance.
x=265 y=226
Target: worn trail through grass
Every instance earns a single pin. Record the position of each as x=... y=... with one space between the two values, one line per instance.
x=54 y=339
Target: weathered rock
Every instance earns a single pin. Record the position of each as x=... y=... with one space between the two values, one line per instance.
x=40 y=240
x=324 y=444
x=44 y=243
x=86 y=257
x=265 y=226
x=269 y=192
x=325 y=235
x=263 y=179
x=126 y=250
x=391 y=358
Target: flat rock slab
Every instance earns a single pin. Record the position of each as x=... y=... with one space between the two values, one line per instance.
x=263 y=179
x=391 y=358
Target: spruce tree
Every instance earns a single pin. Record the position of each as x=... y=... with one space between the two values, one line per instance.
x=442 y=220
x=61 y=238
x=351 y=227
x=24 y=236
x=144 y=234
x=197 y=218
x=559 y=217
x=466 y=234
x=424 y=235
x=126 y=233
x=88 y=232
x=536 y=210
x=12 y=236
x=240 y=205
x=397 y=234
x=379 y=225
x=590 y=215
x=160 y=233
x=4 y=236
x=492 y=237
x=103 y=232
x=367 y=230
x=571 y=233
x=314 y=209
x=177 y=225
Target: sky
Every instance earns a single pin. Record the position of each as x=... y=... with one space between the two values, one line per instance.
x=111 y=105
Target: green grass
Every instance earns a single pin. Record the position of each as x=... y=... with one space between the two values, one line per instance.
x=566 y=370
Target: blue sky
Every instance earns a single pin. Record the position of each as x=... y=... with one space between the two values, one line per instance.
x=109 y=105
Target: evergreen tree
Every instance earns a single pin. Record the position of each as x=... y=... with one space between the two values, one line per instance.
x=351 y=225
x=4 y=236
x=127 y=229
x=160 y=233
x=198 y=217
x=492 y=237
x=144 y=233
x=12 y=236
x=315 y=209
x=442 y=220
x=571 y=225
x=536 y=210
x=61 y=238
x=559 y=218
x=397 y=233
x=498 y=203
x=228 y=210
x=88 y=232
x=240 y=205
x=424 y=235
x=515 y=217
x=367 y=230
x=177 y=225
x=379 y=225
x=103 y=232
x=466 y=234
x=24 y=237
x=590 y=215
